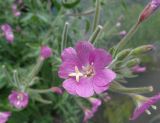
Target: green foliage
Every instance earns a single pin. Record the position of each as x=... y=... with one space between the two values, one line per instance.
x=114 y=110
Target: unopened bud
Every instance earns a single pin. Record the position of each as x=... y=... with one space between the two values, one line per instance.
x=57 y=90
x=45 y=52
x=138 y=69
x=151 y=7
x=123 y=54
x=142 y=49
x=133 y=62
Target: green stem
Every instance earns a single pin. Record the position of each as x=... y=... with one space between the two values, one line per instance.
x=40 y=90
x=35 y=70
x=86 y=13
x=32 y=82
x=44 y=101
x=1 y=35
x=95 y=34
x=97 y=15
x=16 y=79
x=124 y=40
x=64 y=36
x=6 y=73
x=52 y=25
x=112 y=63
x=116 y=87
x=79 y=103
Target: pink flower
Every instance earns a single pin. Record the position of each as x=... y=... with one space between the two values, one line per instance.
x=18 y=99
x=15 y=6
x=143 y=104
x=45 y=52
x=57 y=90
x=138 y=69
x=122 y=33
x=95 y=103
x=4 y=116
x=89 y=113
x=84 y=69
x=151 y=7
x=15 y=11
x=8 y=33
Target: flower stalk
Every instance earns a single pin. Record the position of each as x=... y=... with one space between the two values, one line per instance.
x=95 y=34
x=97 y=15
x=40 y=90
x=64 y=36
x=35 y=70
x=6 y=73
x=128 y=36
x=17 y=81
x=116 y=87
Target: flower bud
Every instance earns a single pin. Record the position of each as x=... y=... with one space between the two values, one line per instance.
x=57 y=90
x=133 y=62
x=142 y=49
x=45 y=52
x=123 y=54
x=138 y=69
x=151 y=7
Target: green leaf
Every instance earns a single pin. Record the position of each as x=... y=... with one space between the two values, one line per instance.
x=70 y=3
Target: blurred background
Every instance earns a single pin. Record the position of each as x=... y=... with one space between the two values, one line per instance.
x=42 y=21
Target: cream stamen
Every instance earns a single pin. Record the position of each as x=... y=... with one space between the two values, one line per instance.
x=148 y=112
x=76 y=74
x=154 y=107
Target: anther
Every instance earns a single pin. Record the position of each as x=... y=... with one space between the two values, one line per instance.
x=154 y=107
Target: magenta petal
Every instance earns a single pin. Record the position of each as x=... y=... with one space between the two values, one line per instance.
x=69 y=54
x=70 y=86
x=66 y=68
x=83 y=49
x=104 y=77
x=84 y=87
x=100 y=58
x=4 y=116
x=70 y=60
x=99 y=89
x=138 y=111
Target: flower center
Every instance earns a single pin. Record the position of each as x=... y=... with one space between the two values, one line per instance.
x=20 y=97
x=87 y=71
